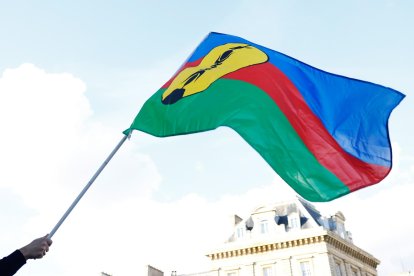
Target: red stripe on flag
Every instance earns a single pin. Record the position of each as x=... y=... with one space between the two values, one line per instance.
x=353 y=172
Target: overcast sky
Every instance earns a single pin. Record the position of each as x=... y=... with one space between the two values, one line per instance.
x=73 y=74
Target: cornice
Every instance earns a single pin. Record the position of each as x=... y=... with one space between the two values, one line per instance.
x=325 y=237
x=351 y=250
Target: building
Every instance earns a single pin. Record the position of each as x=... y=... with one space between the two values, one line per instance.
x=290 y=238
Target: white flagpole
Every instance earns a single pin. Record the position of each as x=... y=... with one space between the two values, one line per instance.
x=85 y=189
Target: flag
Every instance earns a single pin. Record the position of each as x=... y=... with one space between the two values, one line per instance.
x=326 y=135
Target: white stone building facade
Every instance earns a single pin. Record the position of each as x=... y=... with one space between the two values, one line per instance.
x=290 y=239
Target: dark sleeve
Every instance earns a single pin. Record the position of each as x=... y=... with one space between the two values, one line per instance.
x=10 y=264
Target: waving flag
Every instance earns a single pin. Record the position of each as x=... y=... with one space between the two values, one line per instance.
x=325 y=135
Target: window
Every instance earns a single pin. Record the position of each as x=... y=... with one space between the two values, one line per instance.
x=294 y=222
x=340 y=230
x=305 y=268
x=267 y=271
x=264 y=227
x=354 y=271
x=240 y=232
x=338 y=269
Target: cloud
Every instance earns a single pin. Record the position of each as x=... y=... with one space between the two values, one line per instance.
x=42 y=116
x=51 y=146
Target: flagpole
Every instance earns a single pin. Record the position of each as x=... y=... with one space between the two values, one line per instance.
x=85 y=189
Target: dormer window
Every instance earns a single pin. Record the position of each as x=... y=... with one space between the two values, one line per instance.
x=294 y=222
x=340 y=230
x=264 y=227
x=240 y=232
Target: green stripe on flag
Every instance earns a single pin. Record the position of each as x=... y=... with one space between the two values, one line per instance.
x=255 y=116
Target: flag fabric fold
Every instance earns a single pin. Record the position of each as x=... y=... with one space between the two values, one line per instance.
x=326 y=135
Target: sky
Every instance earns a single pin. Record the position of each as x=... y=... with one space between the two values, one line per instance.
x=73 y=75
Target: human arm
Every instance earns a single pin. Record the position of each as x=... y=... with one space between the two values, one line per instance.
x=36 y=249
x=10 y=264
